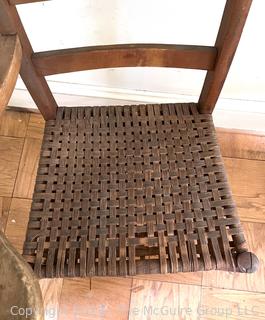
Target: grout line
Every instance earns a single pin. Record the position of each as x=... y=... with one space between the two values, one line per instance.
x=194 y=284
x=250 y=221
x=166 y=281
x=24 y=140
x=200 y=299
x=22 y=198
x=10 y=136
x=20 y=158
x=239 y=158
x=130 y=298
x=233 y=289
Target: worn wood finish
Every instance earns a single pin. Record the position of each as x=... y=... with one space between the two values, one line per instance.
x=16 y=2
x=10 y=60
x=69 y=60
x=35 y=83
x=124 y=55
x=233 y=21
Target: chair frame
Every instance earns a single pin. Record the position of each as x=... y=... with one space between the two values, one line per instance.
x=215 y=59
x=36 y=65
x=17 y=279
x=11 y=54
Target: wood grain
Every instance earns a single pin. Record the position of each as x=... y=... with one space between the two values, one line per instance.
x=160 y=300
x=247 y=177
x=10 y=151
x=124 y=55
x=232 y=24
x=17 y=222
x=51 y=292
x=247 y=181
x=231 y=304
x=255 y=282
x=35 y=126
x=27 y=171
x=183 y=277
x=4 y=210
x=103 y=298
x=189 y=300
x=251 y=209
x=149 y=297
x=14 y=123
x=241 y=144
x=36 y=84
x=11 y=54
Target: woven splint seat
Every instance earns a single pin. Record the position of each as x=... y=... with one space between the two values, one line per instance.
x=123 y=190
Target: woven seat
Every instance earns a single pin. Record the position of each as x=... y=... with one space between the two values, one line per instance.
x=131 y=189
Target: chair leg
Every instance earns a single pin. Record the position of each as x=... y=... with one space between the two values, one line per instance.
x=247 y=262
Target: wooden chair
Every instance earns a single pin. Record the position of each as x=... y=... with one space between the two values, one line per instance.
x=132 y=189
x=19 y=287
x=10 y=53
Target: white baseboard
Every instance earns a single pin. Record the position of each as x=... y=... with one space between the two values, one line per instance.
x=229 y=113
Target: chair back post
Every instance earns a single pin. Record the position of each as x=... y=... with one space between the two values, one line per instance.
x=35 y=83
x=231 y=27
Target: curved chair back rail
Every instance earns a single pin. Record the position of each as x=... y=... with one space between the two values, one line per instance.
x=15 y=2
x=125 y=55
x=10 y=60
x=217 y=59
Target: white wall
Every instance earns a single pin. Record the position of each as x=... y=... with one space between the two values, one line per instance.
x=70 y=23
